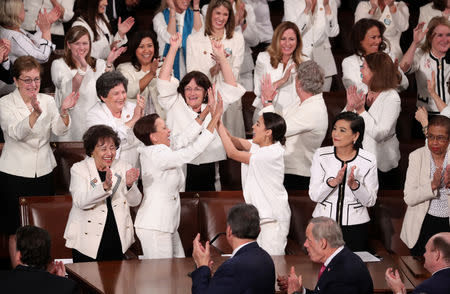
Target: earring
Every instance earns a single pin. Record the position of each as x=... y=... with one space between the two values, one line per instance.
x=354 y=142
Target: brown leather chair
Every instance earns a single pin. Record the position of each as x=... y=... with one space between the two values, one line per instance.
x=302 y=208
x=66 y=154
x=50 y=213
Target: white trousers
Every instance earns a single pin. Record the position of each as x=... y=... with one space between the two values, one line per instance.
x=157 y=244
x=273 y=237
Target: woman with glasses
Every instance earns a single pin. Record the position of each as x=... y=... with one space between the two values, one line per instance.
x=427 y=188
x=27 y=119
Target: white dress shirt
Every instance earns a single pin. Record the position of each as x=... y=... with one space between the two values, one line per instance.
x=27 y=152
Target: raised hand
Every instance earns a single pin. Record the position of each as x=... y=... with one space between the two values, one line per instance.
x=175 y=40
x=43 y=22
x=107 y=184
x=154 y=65
x=374 y=4
x=132 y=176
x=212 y=98
x=422 y=116
x=447 y=176
x=394 y=281
x=114 y=54
x=218 y=110
x=54 y=14
x=351 y=181
x=35 y=104
x=389 y=2
x=125 y=26
x=70 y=101
x=114 y=44
x=218 y=51
x=419 y=33
x=170 y=4
x=268 y=90
x=57 y=268
x=437 y=176
x=431 y=84
x=201 y=255
x=354 y=98
x=334 y=182
x=294 y=283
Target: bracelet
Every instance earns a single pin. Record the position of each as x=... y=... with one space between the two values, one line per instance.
x=109 y=65
x=269 y=101
x=424 y=129
x=64 y=115
x=196 y=10
x=200 y=118
x=81 y=72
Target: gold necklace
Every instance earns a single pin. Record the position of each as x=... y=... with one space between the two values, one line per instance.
x=212 y=38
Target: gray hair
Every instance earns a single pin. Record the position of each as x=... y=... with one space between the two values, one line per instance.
x=109 y=80
x=326 y=228
x=311 y=77
x=243 y=220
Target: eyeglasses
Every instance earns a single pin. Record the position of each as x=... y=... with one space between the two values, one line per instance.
x=440 y=139
x=28 y=81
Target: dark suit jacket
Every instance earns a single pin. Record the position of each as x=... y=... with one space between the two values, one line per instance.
x=346 y=273
x=5 y=75
x=250 y=270
x=439 y=283
x=25 y=279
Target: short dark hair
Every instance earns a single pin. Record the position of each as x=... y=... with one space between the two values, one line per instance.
x=359 y=32
x=356 y=124
x=33 y=243
x=276 y=123
x=96 y=133
x=243 y=220
x=136 y=41
x=384 y=72
x=440 y=244
x=440 y=120
x=144 y=127
x=200 y=78
x=24 y=63
x=109 y=80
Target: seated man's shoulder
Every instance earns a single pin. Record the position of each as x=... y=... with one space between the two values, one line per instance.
x=438 y=283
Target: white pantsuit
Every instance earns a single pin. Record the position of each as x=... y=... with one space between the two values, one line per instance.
x=87 y=217
x=162 y=177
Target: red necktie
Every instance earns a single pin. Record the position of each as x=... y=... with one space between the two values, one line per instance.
x=322 y=269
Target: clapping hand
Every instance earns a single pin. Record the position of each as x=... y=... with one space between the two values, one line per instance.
x=35 y=104
x=218 y=54
x=447 y=176
x=431 y=84
x=212 y=98
x=334 y=182
x=140 y=106
x=5 y=49
x=201 y=255
x=394 y=281
x=114 y=54
x=176 y=40
x=268 y=90
x=419 y=33
x=436 y=181
x=422 y=116
x=107 y=184
x=355 y=99
x=294 y=283
x=154 y=65
x=70 y=101
x=351 y=181
x=125 y=26
x=57 y=268
x=132 y=176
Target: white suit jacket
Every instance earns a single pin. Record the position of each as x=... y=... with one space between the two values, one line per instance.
x=180 y=116
x=27 y=152
x=427 y=12
x=87 y=217
x=32 y=8
x=101 y=47
x=395 y=23
x=315 y=30
x=101 y=115
x=353 y=210
x=379 y=135
x=162 y=178
x=62 y=77
x=417 y=194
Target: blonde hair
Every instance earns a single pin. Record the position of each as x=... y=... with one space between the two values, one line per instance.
x=432 y=25
x=229 y=26
x=274 y=49
x=9 y=13
x=74 y=34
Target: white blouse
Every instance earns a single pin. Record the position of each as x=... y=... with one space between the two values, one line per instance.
x=262 y=182
x=100 y=48
x=395 y=23
x=62 y=77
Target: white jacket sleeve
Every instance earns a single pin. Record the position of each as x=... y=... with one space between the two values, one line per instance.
x=295 y=14
x=68 y=9
x=160 y=27
x=332 y=27
x=168 y=94
x=351 y=74
x=362 y=10
x=251 y=34
x=133 y=82
x=17 y=130
x=401 y=17
x=319 y=190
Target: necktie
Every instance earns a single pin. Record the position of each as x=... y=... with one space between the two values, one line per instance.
x=322 y=269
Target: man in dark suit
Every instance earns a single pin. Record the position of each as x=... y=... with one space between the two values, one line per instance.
x=437 y=262
x=32 y=259
x=342 y=271
x=250 y=269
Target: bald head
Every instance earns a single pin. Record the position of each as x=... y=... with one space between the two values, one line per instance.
x=441 y=242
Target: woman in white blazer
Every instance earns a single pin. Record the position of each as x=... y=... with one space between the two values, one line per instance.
x=433 y=9
x=344 y=180
x=185 y=101
x=91 y=15
x=27 y=119
x=426 y=188
x=393 y=14
x=262 y=172
x=158 y=216
x=77 y=71
x=280 y=60
x=38 y=45
x=367 y=37
x=141 y=71
x=103 y=189
x=219 y=26
x=115 y=111
x=380 y=109
x=317 y=23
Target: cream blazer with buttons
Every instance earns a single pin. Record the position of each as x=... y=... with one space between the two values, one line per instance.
x=417 y=194
x=27 y=152
x=87 y=217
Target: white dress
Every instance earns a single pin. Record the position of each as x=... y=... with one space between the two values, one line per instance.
x=62 y=77
x=395 y=23
x=427 y=12
x=198 y=57
x=100 y=48
x=262 y=185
